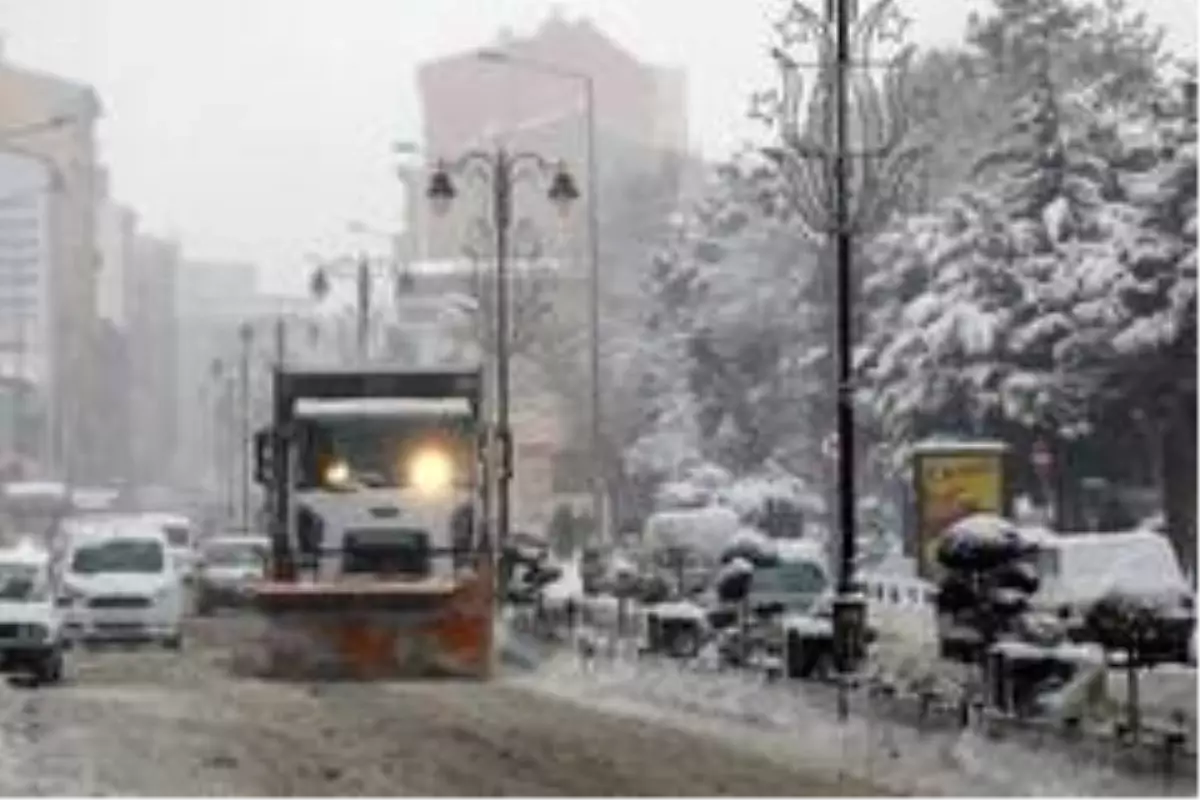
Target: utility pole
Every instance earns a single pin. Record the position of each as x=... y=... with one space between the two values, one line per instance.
x=848 y=611
x=246 y=338
x=364 y=306
x=280 y=342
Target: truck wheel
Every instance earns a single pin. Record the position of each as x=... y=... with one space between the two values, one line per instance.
x=174 y=642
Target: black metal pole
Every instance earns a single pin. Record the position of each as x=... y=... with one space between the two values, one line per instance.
x=847 y=611
x=364 y=306
x=244 y=432
x=502 y=185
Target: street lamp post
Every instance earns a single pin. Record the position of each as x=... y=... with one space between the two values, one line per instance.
x=815 y=157
x=361 y=270
x=501 y=169
x=599 y=493
x=246 y=339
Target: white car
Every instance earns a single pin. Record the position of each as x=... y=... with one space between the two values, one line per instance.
x=181 y=540
x=228 y=566
x=31 y=634
x=120 y=584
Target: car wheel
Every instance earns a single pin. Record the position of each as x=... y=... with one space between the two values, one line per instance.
x=684 y=642
x=50 y=669
x=806 y=659
x=174 y=642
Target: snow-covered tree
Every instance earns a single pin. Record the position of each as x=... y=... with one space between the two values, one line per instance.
x=728 y=358
x=1003 y=309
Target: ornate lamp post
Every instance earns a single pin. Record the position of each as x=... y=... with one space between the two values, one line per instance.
x=500 y=170
x=361 y=270
x=845 y=154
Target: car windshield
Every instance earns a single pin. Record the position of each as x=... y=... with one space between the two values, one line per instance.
x=800 y=578
x=177 y=535
x=21 y=583
x=119 y=555
x=234 y=555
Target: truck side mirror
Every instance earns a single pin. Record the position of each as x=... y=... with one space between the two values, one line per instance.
x=264 y=471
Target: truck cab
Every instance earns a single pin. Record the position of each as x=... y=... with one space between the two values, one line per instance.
x=375 y=482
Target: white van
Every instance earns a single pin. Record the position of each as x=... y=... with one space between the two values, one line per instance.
x=31 y=633
x=181 y=540
x=118 y=582
x=1078 y=569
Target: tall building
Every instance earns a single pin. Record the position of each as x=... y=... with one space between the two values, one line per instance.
x=640 y=118
x=51 y=121
x=641 y=146
x=110 y=426
x=25 y=305
x=152 y=335
x=116 y=227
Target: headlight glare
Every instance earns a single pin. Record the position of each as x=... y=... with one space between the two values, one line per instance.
x=430 y=471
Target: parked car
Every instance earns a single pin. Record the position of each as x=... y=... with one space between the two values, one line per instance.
x=119 y=583
x=31 y=634
x=228 y=566
x=182 y=540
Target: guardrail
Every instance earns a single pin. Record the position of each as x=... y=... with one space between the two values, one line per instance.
x=1165 y=751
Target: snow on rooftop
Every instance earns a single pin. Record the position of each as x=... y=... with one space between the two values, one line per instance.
x=35 y=489
x=943 y=445
x=707 y=529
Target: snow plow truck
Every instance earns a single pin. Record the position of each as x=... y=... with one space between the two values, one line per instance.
x=374 y=481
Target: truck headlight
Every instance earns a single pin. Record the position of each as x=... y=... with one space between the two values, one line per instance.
x=337 y=474
x=430 y=471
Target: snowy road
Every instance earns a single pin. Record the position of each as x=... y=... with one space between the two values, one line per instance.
x=153 y=722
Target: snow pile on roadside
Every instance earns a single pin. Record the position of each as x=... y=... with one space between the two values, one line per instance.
x=790 y=721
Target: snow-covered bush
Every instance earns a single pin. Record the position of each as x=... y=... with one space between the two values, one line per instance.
x=750 y=546
x=987 y=580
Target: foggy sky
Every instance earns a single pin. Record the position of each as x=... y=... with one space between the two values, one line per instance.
x=256 y=129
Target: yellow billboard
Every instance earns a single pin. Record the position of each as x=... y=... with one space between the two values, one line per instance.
x=950 y=486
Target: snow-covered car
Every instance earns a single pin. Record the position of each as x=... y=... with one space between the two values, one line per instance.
x=31 y=639
x=1077 y=570
x=228 y=566
x=119 y=583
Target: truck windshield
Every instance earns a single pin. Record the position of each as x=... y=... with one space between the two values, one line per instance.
x=119 y=555
x=379 y=452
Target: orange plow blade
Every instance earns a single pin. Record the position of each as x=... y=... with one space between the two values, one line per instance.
x=378 y=630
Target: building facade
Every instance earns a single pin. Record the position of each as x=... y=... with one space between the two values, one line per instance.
x=152 y=337
x=25 y=306
x=51 y=121
x=641 y=168
x=640 y=118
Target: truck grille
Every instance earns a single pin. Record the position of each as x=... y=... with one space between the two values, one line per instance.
x=10 y=631
x=119 y=601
